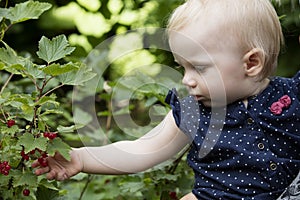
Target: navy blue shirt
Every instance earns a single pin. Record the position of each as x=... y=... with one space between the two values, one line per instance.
x=240 y=152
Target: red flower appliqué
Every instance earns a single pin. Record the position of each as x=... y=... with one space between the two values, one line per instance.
x=277 y=107
x=286 y=101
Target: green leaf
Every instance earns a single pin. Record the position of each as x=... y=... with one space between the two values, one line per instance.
x=69 y=129
x=25 y=178
x=46 y=193
x=30 y=143
x=25 y=11
x=47 y=99
x=10 y=58
x=45 y=183
x=84 y=74
x=55 y=49
x=33 y=70
x=47 y=112
x=57 y=145
x=28 y=111
x=3 y=13
x=57 y=69
x=132 y=187
x=11 y=131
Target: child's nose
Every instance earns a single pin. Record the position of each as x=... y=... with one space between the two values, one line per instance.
x=189 y=81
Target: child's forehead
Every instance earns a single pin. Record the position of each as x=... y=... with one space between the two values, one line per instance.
x=199 y=34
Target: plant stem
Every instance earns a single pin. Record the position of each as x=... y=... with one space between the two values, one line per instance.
x=89 y=179
x=3 y=114
x=6 y=83
x=172 y=169
x=51 y=90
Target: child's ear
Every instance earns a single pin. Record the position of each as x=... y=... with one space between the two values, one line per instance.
x=254 y=61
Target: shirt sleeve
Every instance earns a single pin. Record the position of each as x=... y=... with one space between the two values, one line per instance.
x=185 y=112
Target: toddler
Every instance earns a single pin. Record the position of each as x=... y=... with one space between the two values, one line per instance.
x=242 y=124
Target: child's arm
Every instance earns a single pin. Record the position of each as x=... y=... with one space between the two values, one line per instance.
x=123 y=157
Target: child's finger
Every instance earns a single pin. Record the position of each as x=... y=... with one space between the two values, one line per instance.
x=35 y=164
x=41 y=171
x=51 y=175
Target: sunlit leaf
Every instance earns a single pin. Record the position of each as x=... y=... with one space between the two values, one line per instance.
x=13 y=63
x=28 y=179
x=57 y=145
x=25 y=11
x=57 y=69
x=55 y=49
x=69 y=129
x=47 y=100
x=77 y=77
x=30 y=143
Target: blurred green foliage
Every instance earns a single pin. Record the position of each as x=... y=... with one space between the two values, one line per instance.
x=88 y=23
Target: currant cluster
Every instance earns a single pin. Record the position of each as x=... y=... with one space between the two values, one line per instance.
x=43 y=160
x=38 y=154
x=50 y=135
x=4 y=168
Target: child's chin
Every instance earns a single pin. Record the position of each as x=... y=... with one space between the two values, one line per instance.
x=213 y=104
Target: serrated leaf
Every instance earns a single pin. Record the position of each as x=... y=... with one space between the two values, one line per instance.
x=57 y=69
x=55 y=49
x=45 y=183
x=26 y=178
x=11 y=131
x=22 y=98
x=84 y=74
x=132 y=187
x=3 y=13
x=33 y=70
x=47 y=112
x=47 y=99
x=10 y=58
x=41 y=125
x=57 y=145
x=47 y=193
x=30 y=143
x=25 y=11
x=28 y=111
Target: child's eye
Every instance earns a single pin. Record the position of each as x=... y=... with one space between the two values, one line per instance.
x=200 y=68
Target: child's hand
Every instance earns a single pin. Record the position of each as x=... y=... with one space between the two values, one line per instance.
x=59 y=168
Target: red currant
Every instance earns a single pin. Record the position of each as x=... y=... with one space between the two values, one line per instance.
x=52 y=136
x=173 y=195
x=26 y=192
x=4 y=168
x=46 y=134
x=43 y=162
x=10 y=123
x=24 y=155
x=32 y=152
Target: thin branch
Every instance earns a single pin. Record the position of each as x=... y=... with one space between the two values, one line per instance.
x=3 y=114
x=90 y=177
x=52 y=90
x=6 y=83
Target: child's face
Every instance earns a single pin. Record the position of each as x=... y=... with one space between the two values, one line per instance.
x=214 y=67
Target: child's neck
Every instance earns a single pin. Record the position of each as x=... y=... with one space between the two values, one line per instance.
x=261 y=87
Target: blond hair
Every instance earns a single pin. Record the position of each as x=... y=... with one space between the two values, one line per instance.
x=251 y=23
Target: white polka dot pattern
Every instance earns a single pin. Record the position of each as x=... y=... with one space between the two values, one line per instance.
x=256 y=155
